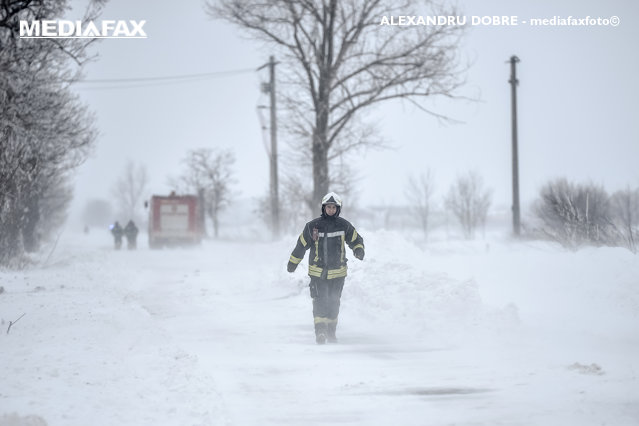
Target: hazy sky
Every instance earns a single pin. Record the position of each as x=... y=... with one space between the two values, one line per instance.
x=577 y=103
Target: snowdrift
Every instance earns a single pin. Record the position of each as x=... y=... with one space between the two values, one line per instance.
x=485 y=332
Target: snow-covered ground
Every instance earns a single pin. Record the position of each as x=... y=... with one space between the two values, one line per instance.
x=491 y=332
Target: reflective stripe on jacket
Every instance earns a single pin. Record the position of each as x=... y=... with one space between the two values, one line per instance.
x=325 y=237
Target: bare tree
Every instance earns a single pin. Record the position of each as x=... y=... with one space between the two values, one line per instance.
x=469 y=202
x=53 y=205
x=209 y=173
x=419 y=192
x=129 y=190
x=45 y=132
x=295 y=187
x=336 y=61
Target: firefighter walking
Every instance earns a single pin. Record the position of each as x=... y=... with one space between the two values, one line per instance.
x=117 y=232
x=131 y=233
x=325 y=237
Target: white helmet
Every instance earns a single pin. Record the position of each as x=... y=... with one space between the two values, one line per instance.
x=332 y=198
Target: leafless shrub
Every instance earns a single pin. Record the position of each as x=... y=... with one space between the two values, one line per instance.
x=419 y=192
x=469 y=202
x=575 y=214
x=625 y=216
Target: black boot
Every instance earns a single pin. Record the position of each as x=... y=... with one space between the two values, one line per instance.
x=332 y=327
x=320 y=333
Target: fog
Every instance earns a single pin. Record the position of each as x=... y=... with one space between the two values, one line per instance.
x=576 y=99
x=434 y=328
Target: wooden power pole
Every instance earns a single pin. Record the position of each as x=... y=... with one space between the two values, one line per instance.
x=515 y=207
x=275 y=198
x=274 y=185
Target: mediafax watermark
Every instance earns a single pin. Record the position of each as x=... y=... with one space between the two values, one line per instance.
x=80 y=29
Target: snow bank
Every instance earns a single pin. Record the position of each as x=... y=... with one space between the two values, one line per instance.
x=489 y=332
x=397 y=289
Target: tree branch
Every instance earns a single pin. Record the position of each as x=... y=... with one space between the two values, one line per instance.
x=13 y=322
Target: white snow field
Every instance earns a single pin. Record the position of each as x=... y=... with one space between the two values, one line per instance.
x=491 y=332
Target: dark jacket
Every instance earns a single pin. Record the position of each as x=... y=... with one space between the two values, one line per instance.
x=130 y=230
x=117 y=230
x=325 y=237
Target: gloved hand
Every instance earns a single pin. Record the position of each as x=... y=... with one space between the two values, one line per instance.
x=359 y=253
x=291 y=267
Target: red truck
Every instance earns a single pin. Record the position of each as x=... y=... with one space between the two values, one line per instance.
x=174 y=220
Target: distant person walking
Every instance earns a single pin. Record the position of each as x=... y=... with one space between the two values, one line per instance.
x=325 y=237
x=131 y=233
x=117 y=232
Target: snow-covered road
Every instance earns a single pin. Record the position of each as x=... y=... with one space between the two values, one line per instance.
x=464 y=334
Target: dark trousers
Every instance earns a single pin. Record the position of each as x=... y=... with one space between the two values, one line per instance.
x=326 y=295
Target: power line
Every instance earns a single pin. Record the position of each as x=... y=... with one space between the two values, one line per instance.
x=125 y=85
x=169 y=78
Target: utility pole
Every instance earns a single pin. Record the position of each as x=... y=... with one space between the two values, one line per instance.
x=274 y=187
x=515 y=207
x=275 y=198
